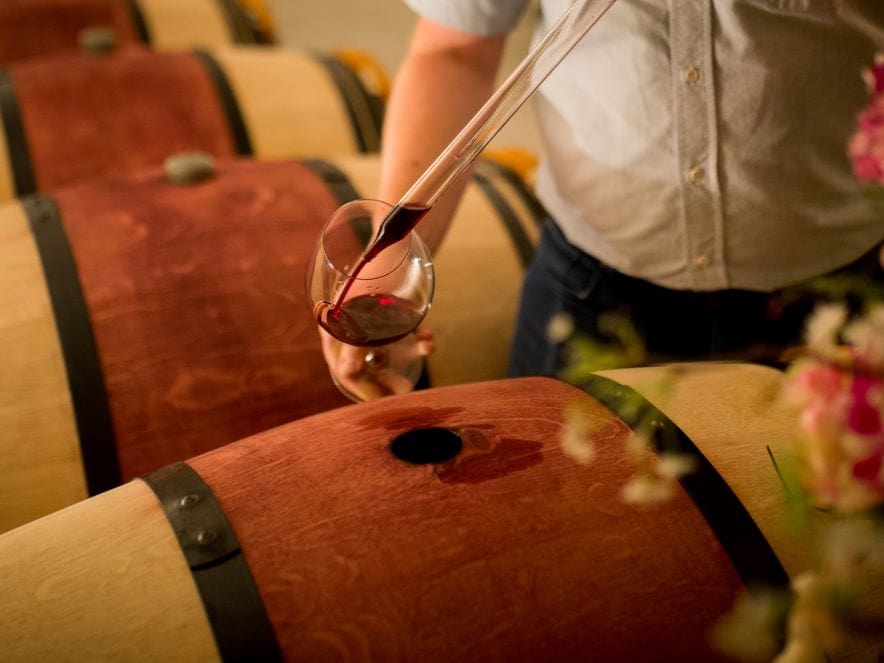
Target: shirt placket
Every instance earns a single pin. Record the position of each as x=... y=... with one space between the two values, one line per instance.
x=696 y=139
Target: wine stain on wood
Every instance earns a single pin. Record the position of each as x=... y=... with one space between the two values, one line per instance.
x=406 y=419
x=485 y=458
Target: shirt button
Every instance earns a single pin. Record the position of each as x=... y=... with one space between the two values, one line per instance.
x=691 y=75
x=696 y=175
x=701 y=261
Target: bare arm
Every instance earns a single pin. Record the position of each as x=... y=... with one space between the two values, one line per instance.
x=445 y=77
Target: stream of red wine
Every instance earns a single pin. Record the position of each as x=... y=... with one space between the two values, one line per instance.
x=374 y=319
x=396 y=225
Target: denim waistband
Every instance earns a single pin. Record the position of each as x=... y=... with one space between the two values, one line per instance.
x=580 y=271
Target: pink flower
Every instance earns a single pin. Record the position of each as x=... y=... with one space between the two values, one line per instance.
x=868 y=469
x=863 y=414
x=819 y=389
x=841 y=416
x=867 y=169
x=866 y=146
x=864 y=420
x=874 y=77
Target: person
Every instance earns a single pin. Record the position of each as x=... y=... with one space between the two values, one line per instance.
x=693 y=165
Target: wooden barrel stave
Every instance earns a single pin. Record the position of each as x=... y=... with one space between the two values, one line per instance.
x=239 y=361
x=40 y=458
x=731 y=411
x=509 y=550
x=172 y=25
x=33 y=28
x=75 y=135
x=737 y=417
x=278 y=115
x=63 y=607
x=71 y=118
x=29 y=29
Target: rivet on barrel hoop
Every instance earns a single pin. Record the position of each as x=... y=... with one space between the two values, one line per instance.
x=188 y=501
x=206 y=537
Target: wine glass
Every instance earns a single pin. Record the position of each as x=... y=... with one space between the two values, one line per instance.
x=368 y=311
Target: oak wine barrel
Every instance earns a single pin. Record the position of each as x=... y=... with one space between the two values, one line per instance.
x=32 y=28
x=144 y=321
x=75 y=117
x=446 y=524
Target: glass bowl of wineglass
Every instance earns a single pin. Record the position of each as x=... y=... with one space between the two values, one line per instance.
x=369 y=309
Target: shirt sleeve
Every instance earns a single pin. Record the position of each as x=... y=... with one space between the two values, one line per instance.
x=480 y=17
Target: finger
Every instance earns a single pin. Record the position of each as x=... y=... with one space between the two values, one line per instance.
x=425 y=343
x=343 y=360
x=346 y=365
x=393 y=383
x=351 y=362
x=361 y=385
x=366 y=389
x=330 y=347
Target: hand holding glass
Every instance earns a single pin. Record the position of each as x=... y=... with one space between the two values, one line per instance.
x=369 y=322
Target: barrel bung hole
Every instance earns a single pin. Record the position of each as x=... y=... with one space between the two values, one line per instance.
x=425 y=446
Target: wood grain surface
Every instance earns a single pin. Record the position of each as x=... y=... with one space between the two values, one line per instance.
x=737 y=416
x=186 y=24
x=197 y=301
x=103 y=580
x=34 y=28
x=86 y=117
x=509 y=551
x=29 y=28
x=290 y=104
x=734 y=413
x=40 y=465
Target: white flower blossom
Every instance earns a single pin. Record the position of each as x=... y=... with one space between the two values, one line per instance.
x=866 y=334
x=675 y=465
x=576 y=438
x=823 y=326
x=647 y=489
x=560 y=328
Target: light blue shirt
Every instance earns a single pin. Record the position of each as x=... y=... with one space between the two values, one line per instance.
x=700 y=144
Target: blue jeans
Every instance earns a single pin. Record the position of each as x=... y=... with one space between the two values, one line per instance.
x=675 y=325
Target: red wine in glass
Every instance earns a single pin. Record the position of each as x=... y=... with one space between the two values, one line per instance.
x=369 y=320
x=400 y=221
